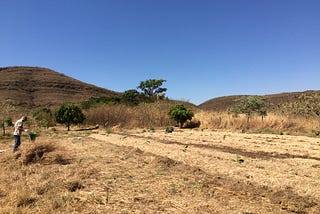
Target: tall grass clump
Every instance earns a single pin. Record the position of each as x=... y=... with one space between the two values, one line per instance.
x=273 y=122
x=144 y=115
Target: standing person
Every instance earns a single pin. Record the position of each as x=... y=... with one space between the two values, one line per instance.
x=18 y=128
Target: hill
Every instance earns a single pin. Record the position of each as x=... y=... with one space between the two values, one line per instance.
x=30 y=87
x=223 y=103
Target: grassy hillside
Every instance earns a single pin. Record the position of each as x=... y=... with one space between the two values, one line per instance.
x=223 y=103
x=30 y=87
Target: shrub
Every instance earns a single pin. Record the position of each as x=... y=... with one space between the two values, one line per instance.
x=169 y=129
x=43 y=117
x=180 y=114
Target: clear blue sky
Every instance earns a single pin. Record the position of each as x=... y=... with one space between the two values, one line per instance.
x=203 y=48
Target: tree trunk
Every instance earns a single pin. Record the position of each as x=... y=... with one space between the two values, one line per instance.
x=3 y=128
x=180 y=124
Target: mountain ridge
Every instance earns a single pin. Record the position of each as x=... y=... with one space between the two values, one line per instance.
x=224 y=102
x=31 y=87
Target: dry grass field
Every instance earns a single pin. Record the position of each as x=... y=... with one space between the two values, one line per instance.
x=150 y=171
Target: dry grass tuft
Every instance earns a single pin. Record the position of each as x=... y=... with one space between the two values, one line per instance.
x=24 y=198
x=61 y=159
x=145 y=115
x=273 y=123
x=36 y=153
x=73 y=186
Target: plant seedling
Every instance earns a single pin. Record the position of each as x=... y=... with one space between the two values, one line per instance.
x=238 y=159
x=185 y=147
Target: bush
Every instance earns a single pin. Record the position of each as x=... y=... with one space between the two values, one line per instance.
x=43 y=117
x=180 y=114
x=169 y=129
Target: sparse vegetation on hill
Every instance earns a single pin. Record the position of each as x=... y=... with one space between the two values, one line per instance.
x=30 y=87
x=221 y=104
x=117 y=167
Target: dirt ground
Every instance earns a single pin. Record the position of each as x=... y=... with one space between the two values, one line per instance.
x=138 y=171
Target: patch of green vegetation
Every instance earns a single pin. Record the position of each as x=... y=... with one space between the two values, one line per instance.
x=109 y=131
x=315 y=132
x=169 y=129
x=162 y=171
x=238 y=159
x=173 y=189
x=152 y=129
x=265 y=131
x=185 y=147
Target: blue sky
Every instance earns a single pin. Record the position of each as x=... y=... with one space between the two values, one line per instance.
x=203 y=48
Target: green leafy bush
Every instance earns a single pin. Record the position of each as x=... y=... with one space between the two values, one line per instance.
x=69 y=114
x=180 y=114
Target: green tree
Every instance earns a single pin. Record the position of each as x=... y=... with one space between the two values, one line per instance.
x=180 y=114
x=307 y=105
x=94 y=101
x=69 y=114
x=250 y=105
x=152 y=89
x=131 y=97
x=43 y=117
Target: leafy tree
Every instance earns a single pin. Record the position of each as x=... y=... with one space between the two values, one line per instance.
x=131 y=97
x=180 y=114
x=250 y=105
x=43 y=116
x=307 y=105
x=152 y=89
x=69 y=114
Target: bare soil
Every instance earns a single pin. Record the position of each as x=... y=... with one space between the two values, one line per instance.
x=187 y=171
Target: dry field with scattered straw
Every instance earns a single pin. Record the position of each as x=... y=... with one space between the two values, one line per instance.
x=151 y=171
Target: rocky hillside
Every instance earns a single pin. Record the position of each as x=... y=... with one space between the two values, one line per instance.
x=223 y=103
x=31 y=87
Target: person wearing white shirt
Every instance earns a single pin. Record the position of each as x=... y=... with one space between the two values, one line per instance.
x=18 y=128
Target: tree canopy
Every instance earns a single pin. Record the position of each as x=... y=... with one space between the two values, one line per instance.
x=180 y=114
x=152 y=88
x=69 y=114
x=250 y=105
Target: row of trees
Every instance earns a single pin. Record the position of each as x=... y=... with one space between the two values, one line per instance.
x=69 y=114
x=306 y=105
x=149 y=90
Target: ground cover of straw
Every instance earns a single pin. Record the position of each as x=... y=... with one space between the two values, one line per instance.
x=151 y=171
